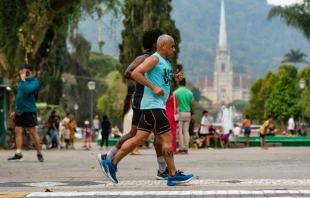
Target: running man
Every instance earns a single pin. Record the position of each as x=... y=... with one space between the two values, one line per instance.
x=149 y=41
x=158 y=75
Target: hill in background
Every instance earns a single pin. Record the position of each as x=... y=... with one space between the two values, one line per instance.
x=257 y=45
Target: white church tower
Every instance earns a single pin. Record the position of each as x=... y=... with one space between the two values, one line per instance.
x=223 y=75
x=224 y=87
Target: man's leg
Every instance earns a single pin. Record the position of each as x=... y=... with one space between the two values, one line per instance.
x=19 y=139
x=129 y=145
x=186 y=133
x=180 y=136
x=159 y=153
x=121 y=141
x=166 y=139
x=36 y=138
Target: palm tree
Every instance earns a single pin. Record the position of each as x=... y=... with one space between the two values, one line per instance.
x=297 y=15
x=295 y=56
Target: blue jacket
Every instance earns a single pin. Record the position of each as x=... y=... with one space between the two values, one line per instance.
x=26 y=96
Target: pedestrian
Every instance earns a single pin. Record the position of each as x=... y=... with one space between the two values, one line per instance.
x=156 y=74
x=149 y=41
x=54 y=132
x=204 y=134
x=263 y=132
x=291 y=126
x=72 y=128
x=236 y=132
x=172 y=110
x=246 y=125
x=105 y=131
x=87 y=134
x=66 y=131
x=25 y=111
x=187 y=113
x=225 y=139
x=96 y=127
x=191 y=131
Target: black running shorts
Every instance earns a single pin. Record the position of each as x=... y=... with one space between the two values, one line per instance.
x=136 y=116
x=154 y=120
x=26 y=119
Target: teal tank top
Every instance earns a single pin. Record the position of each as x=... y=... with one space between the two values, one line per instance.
x=161 y=76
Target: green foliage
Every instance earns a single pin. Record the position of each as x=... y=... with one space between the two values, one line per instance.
x=100 y=65
x=111 y=103
x=276 y=94
x=139 y=17
x=297 y=15
x=255 y=106
x=295 y=56
x=284 y=99
x=13 y=15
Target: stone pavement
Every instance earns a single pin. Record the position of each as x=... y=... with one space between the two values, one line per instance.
x=277 y=172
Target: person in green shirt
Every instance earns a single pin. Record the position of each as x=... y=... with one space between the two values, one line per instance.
x=187 y=113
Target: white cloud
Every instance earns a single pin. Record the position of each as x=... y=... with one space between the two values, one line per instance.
x=283 y=2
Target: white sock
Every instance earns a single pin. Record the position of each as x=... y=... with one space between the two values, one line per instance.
x=161 y=164
x=18 y=151
x=112 y=152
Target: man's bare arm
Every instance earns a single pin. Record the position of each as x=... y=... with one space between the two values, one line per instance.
x=147 y=65
x=133 y=66
x=193 y=110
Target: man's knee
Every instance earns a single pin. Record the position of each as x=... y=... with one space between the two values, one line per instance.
x=166 y=137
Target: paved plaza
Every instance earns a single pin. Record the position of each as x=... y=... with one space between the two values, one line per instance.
x=277 y=172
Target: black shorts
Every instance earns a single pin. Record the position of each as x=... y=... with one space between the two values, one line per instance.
x=154 y=120
x=262 y=135
x=136 y=116
x=26 y=119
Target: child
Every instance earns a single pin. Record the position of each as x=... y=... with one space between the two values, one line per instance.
x=263 y=131
x=204 y=131
x=236 y=131
x=88 y=133
x=225 y=139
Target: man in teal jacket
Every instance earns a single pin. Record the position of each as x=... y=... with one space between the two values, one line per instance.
x=25 y=110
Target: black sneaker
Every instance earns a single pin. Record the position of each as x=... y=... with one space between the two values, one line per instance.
x=163 y=175
x=16 y=158
x=40 y=157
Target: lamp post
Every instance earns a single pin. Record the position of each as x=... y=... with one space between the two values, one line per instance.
x=76 y=107
x=91 y=86
x=302 y=84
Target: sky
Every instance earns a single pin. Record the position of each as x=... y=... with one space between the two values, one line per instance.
x=283 y=2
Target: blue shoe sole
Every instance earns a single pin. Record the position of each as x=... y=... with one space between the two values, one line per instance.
x=101 y=166
x=175 y=183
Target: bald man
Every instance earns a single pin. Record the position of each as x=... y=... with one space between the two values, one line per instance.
x=155 y=73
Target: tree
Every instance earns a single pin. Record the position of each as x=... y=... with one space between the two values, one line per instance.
x=254 y=108
x=111 y=102
x=297 y=15
x=284 y=99
x=141 y=16
x=295 y=56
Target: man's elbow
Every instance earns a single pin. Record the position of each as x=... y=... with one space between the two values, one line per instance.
x=134 y=75
x=127 y=74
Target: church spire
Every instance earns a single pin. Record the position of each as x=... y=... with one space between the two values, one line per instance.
x=223 y=34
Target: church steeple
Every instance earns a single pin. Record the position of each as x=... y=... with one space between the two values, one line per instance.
x=223 y=34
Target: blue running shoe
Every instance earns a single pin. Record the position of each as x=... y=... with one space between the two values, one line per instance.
x=110 y=169
x=179 y=178
x=100 y=162
x=163 y=175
